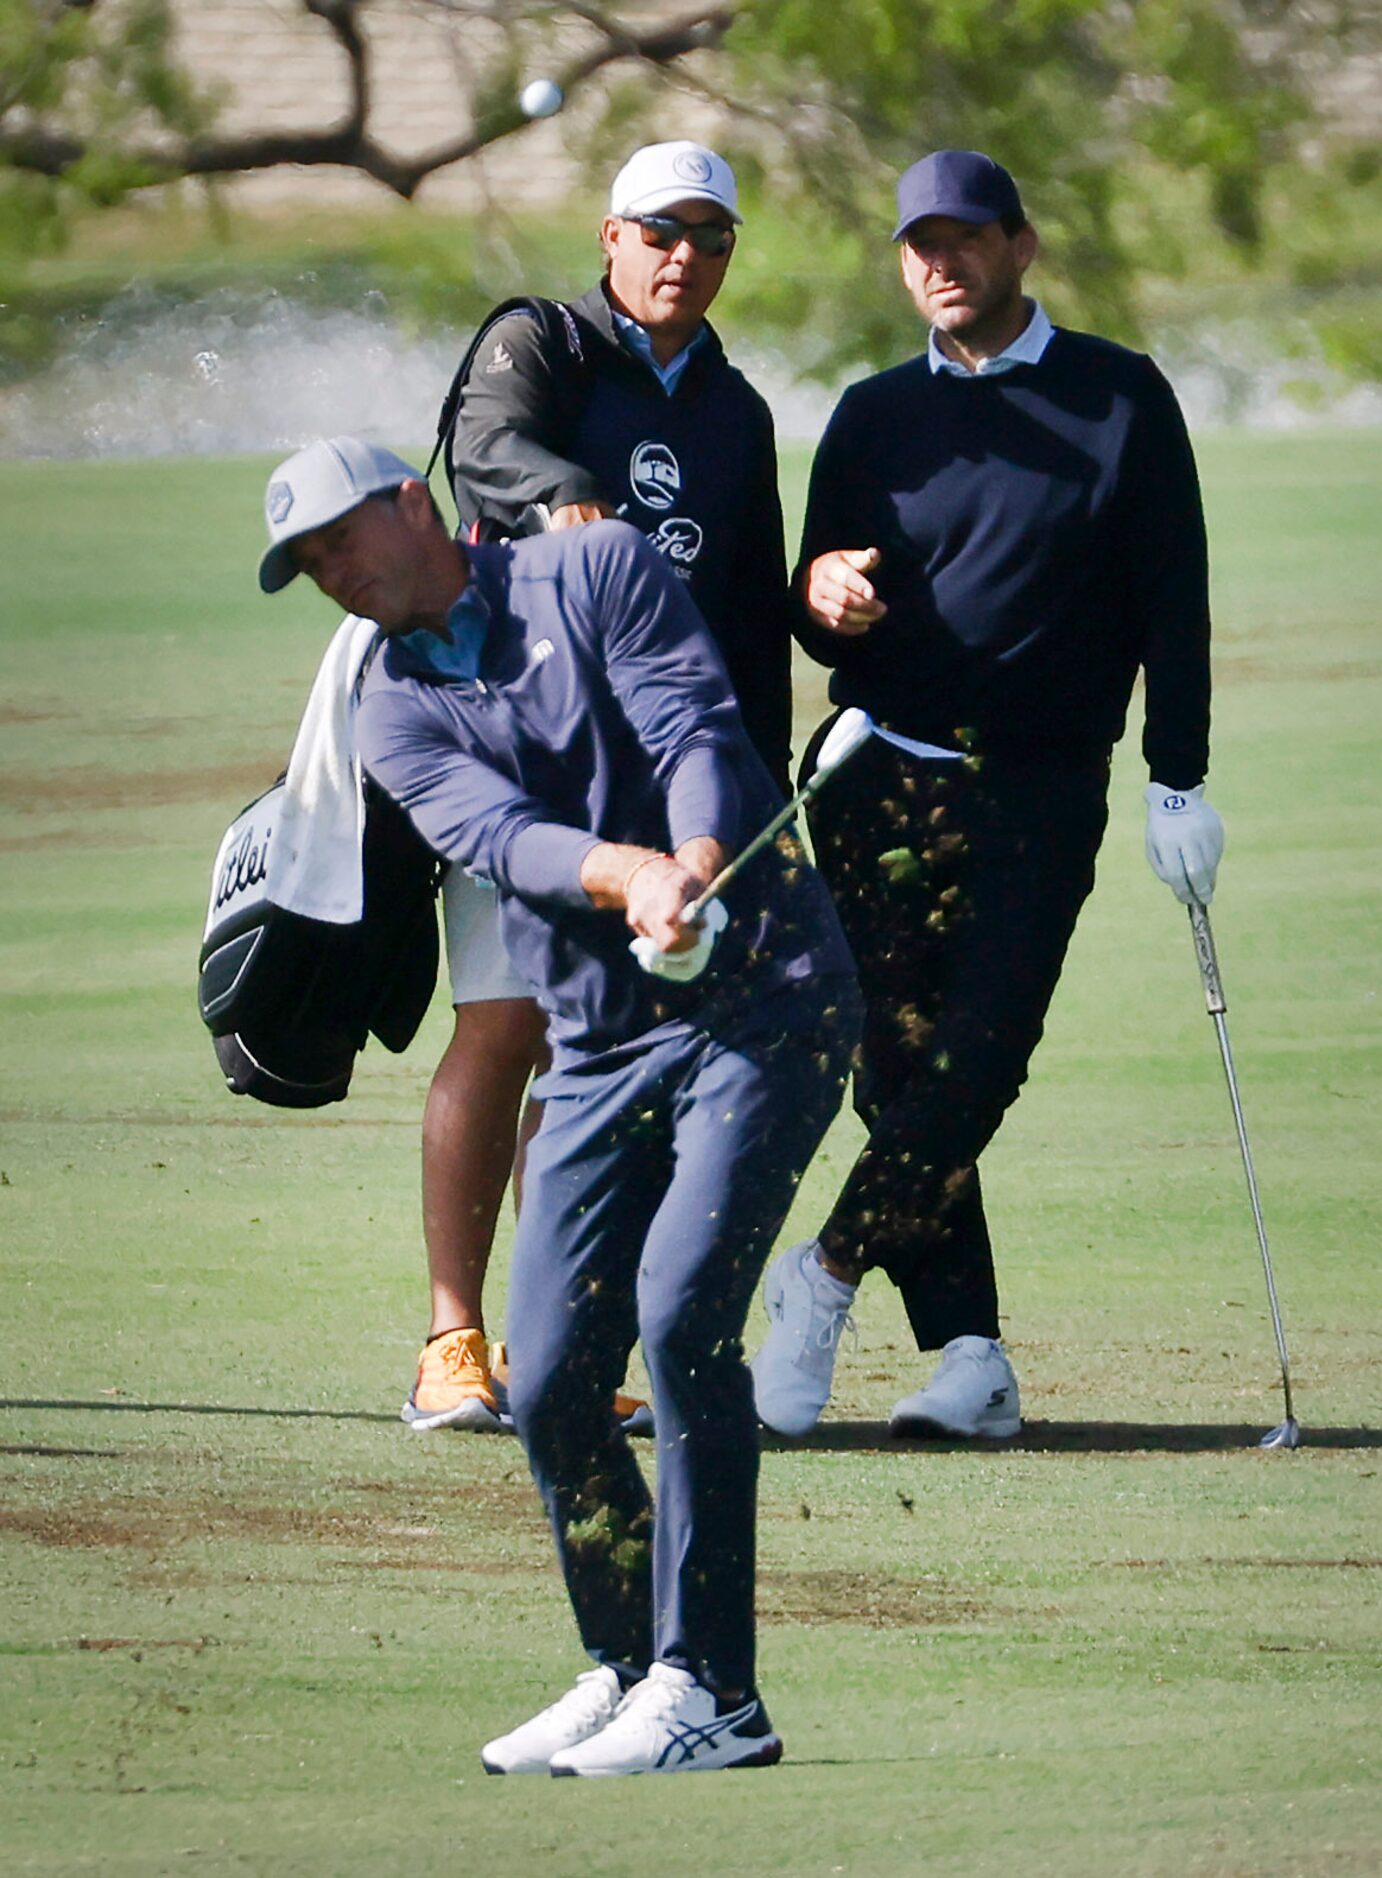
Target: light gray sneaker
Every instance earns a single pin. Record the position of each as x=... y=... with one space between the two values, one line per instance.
x=582 y=1712
x=808 y=1312
x=974 y=1392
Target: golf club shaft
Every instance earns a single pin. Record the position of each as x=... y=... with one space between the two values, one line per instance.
x=787 y=813
x=1217 y=1006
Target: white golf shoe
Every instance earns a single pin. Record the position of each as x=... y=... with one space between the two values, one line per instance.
x=808 y=1312
x=671 y=1724
x=577 y=1715
x=973 y=1392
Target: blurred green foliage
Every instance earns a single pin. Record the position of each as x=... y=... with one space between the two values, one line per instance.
x=1177 y=157
x=105 y=72
x=1148 y=140
x=823 y=303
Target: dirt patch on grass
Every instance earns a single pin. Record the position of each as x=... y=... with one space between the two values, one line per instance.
x=847 y=1597
x=476 y=1566
x=139 y=1644
x=92 y=787
x=1246 y=1564
x=60 y=1454
x=79 y=835
x=157 y=1525
x=1232 y=670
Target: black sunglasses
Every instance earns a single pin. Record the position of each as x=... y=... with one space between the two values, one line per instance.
x=665 y=231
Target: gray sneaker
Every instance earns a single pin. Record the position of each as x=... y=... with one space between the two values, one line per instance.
x=808 y=1312
x=974 y=1392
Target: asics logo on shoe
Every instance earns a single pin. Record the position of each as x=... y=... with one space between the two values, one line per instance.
x=687 y=1738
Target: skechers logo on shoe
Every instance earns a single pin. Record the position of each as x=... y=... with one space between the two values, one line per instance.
x=998 y=1398
x=501 y=360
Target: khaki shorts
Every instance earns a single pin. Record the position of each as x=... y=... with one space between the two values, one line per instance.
x=480 y=967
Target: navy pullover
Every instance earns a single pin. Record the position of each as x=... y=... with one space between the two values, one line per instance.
x=601 y=712
x=1042 y=537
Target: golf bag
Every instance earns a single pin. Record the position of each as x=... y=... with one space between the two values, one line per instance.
x=290 y=1001
x=481 y=516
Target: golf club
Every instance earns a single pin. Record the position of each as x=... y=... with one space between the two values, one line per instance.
x=1287 y=1434
x=850 y=731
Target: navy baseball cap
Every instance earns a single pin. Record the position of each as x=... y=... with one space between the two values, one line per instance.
x=963 y=184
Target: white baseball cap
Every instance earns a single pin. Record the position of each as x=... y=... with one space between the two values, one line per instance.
x=661 y=174
x=317 y=486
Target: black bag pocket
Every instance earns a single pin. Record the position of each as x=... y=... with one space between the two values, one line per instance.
x=290 y=1001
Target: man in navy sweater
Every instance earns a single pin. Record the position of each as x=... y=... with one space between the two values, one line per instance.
x=998 y=535
x=553 y=715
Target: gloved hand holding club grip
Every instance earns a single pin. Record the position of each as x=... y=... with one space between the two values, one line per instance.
x=1185 y=841
x=682 y=967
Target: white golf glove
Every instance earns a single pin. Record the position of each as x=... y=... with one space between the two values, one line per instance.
x=682 y=967
x=1185 y=841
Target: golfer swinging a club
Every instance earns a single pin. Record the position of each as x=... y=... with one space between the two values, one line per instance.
x=553 y=715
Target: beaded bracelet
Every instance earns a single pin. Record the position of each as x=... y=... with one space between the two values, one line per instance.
x=628 y=878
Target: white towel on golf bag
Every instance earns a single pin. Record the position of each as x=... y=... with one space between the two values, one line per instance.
x=316 y=866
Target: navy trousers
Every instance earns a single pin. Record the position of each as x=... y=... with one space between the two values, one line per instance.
x=958 y=887
x=652 y=1200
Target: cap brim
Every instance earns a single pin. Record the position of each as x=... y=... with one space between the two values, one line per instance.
x=278 y=567
x=978 y=217
x=659 y=199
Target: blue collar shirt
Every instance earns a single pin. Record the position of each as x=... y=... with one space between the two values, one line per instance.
x=637 y=340
x=1026 y=349
x=423 y=654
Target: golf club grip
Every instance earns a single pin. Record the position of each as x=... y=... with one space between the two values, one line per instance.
x=1215 y=1002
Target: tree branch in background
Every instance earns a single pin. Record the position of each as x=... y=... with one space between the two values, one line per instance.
x=1135 y=131
x=164 y=149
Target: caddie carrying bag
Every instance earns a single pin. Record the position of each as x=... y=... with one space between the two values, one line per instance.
x=484 y=515
x=290 y=1001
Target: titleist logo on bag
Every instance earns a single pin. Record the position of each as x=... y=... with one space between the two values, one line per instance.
x=242 y=861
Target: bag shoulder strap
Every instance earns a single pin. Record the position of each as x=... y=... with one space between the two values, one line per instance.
x=561 y=345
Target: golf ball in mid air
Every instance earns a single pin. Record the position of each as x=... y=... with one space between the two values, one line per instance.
x=542 y=98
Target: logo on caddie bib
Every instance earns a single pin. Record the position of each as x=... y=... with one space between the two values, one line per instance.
x=655 y=475
x=679 y=538
x=279 y=501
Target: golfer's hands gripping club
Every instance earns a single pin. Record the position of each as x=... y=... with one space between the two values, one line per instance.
x=839 y=594
x=684 y=965
x=1185 y=841
x=658 y=890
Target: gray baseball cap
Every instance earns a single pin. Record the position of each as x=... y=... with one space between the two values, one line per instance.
x=318 y=485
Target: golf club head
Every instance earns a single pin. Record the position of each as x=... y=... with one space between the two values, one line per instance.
x=851 y=728
x=1285 y=1436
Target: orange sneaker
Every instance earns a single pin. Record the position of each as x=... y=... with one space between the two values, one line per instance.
x=634 y=1415
x=454 y=1387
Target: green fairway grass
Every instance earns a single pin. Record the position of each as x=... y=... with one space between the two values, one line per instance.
x=253 y=1625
